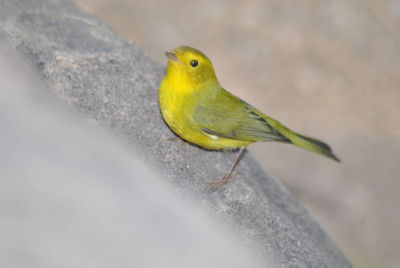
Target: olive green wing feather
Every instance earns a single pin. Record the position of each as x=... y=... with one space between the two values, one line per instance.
x=229 y=117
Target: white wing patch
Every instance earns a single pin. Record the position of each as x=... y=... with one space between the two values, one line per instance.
x=213 y=137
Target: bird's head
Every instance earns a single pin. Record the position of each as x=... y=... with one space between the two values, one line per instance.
x=191 y=66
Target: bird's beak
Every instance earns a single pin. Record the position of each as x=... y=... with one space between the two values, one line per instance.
x=171 y=56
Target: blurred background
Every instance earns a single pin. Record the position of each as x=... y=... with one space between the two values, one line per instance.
x=328 y=69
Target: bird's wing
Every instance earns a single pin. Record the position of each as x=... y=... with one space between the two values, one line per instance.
x=229 y=117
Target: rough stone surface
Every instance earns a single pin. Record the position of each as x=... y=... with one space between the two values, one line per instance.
x=71 y=195
x=114 y=84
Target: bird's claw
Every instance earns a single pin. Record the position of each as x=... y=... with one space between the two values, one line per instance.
x=215 y=184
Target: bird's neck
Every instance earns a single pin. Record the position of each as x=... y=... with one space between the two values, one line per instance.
x=186 y=84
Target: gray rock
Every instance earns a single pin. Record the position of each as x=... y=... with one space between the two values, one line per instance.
x=72 y=196
x=113 y=83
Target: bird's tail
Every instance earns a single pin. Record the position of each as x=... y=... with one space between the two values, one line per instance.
x=313 y=145
x=307 y=143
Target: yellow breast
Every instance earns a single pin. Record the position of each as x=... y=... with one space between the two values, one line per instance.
x=177 y=106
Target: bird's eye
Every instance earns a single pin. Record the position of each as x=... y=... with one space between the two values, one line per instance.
x=194 y=63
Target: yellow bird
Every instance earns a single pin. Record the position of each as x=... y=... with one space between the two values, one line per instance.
x=200 y=111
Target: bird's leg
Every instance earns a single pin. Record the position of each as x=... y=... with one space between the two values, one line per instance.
x=218 y=183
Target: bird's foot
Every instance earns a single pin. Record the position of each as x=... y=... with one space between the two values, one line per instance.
x=178 y=139
x=215 y=184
